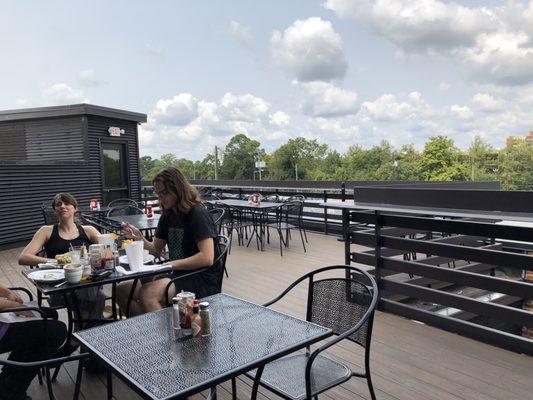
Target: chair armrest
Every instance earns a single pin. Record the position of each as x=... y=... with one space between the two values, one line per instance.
x=23 y=289
x=16 y=309
x=174 y=280
x=42 y=363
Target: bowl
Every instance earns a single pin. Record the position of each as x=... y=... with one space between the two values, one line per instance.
x=73 y=272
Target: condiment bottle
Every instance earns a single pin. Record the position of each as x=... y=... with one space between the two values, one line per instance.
x=205 y=316
x=196 y=321
x=108 y=260
x=175 y=314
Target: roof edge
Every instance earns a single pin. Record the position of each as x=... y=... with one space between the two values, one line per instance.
x=69 y=110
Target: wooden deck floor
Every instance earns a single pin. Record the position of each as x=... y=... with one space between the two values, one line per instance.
x=409 y=360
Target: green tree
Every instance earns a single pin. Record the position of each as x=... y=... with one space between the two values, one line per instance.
x=298 y=155
x=146 y=163
x=358 y=164
x=441 y=161
x=479 y=158
x=239 y=158
x=205 y=169
x=516 y=166
x=407 y=164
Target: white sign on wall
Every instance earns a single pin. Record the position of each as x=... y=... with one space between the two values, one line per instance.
x=115 y=131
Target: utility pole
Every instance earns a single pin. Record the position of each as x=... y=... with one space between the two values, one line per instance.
x=296 y=171
x=216 y=163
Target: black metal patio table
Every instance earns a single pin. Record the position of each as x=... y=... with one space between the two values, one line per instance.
x=144 y=352
x=71 y=302
x=260 y=213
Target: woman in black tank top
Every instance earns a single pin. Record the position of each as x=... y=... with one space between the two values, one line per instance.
x=57 y=239
x=57 y=245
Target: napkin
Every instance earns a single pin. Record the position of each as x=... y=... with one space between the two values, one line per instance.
x=144 y=268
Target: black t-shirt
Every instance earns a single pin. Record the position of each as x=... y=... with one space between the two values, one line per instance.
x=182 y=233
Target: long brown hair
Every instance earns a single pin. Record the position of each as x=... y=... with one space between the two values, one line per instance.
x=175 y=182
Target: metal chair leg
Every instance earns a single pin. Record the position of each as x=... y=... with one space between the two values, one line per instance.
x=79 y=375
x=109 y=379
x=49 y=384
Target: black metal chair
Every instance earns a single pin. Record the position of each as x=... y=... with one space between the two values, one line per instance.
x=296 y=197
x=218 y=216
x=219 y=265
x=344 y=304
x=289 y=215
x=49 y=362
x=49 y=215
x=124 y=210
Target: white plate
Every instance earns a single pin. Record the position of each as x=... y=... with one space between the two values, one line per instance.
x=147 y=259
x=48 y=265
x=47 y=275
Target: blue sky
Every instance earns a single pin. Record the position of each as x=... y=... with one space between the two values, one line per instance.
x=344 y=72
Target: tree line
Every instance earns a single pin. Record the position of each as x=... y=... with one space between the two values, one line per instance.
x=305 y=159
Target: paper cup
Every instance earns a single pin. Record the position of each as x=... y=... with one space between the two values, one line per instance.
x=134 y=251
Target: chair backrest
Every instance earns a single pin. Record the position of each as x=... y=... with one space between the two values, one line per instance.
x=291 y=211
x=49 y=215
x=222 y=245
x=123 y=202
x=341 y=303
x=218 y=215
x=124 y=210
x=103 y=225
x=345 y=303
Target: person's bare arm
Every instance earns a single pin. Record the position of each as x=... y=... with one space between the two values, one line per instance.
x=155 y=246
x=204 y=258
x=91 y=232
x=29 y=254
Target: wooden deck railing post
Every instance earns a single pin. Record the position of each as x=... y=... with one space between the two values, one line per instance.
x=379 y=261
x=343 y=191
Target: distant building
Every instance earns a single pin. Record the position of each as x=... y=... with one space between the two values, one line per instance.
x=514 y=139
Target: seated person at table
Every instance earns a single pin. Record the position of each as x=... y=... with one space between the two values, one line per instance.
x=57 y=239
x=189 y=231
x=25 y=340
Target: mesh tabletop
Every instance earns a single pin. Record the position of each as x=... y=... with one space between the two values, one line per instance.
x=244 y=335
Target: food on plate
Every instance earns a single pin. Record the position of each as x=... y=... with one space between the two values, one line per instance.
x=49 y=275
x=63 y=258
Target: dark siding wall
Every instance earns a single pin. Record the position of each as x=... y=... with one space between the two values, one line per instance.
x=97 y=127
x=23 y=188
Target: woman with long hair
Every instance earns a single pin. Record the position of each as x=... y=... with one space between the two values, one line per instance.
x=188 y=230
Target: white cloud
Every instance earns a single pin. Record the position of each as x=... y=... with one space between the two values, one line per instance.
x=388 y=108
x=88 y=78
x=279 y=118
x=61 y=93
x=463 y=112
x=444 y=87
x=244 y=107
x=242 y=34
x=180 y=110
x=310 y=50
x=419 y=25
x=494 y=44
x=322 y=99
x=154 y=50
x=487 y=102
